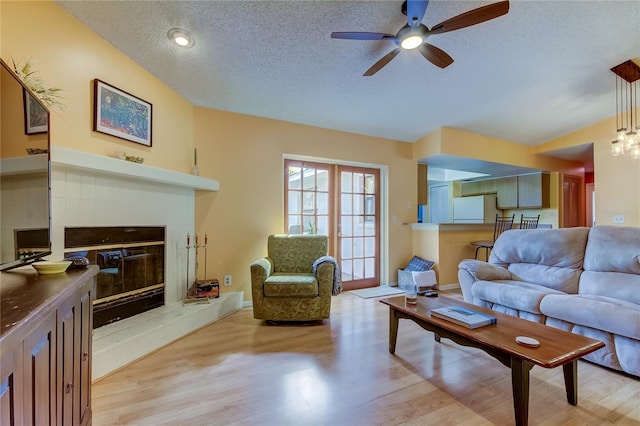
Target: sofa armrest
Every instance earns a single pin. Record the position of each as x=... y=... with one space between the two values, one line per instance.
x=470 y=271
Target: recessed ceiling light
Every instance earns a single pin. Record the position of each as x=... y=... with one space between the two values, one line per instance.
x=181 y=37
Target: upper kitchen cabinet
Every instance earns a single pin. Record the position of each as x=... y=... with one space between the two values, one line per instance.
x=478 y=187
x=507 y=192
x=524 y=191
x=533 y=191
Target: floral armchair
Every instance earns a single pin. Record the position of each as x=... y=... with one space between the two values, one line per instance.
x=295 y=281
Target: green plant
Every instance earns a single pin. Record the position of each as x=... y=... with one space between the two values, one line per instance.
x=49 y=96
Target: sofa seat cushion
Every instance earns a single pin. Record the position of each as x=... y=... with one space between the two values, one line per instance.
x=519 y=295
x=599 y=312
x=282 y=284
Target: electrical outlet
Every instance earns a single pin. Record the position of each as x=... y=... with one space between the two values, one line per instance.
x=227 y=280
x=618 y=218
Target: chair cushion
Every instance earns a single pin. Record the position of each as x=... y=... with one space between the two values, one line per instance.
x=291 y=285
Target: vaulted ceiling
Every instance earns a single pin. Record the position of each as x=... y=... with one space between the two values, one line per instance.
x=534 y=74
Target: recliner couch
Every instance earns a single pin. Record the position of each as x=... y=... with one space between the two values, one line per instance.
x=583 y=280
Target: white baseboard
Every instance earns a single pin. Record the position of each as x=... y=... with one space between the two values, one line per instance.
x=118 y=344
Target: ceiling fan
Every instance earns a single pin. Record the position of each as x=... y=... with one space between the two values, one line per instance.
x=414 y=35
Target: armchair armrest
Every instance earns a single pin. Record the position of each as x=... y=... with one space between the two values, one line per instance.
x=262 y=266
x=470 y=271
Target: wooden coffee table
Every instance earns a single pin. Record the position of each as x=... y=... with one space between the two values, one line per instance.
x=557 y=347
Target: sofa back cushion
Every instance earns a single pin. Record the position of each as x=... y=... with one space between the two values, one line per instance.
x=612 y=263
x=296 y=253
x=548 y=257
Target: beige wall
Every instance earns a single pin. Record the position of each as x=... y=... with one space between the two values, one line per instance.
x=617 y=179
x=67 y=55
x=245 y=154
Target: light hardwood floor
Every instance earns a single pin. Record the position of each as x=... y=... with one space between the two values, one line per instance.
x=241 y=371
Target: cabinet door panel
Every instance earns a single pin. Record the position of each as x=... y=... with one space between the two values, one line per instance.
x=40 y=373
x=11 y=390
x=85 y=334
x=507 y=193
x=68 y=318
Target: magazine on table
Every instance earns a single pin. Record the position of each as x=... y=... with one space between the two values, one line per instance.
x=463 y=316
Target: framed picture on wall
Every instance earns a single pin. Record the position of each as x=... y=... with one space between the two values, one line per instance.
x=36 y=117
x=120 y=114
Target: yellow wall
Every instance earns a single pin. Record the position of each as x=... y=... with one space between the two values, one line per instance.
x=245 y=154
x=68 y=55
x=617 y=179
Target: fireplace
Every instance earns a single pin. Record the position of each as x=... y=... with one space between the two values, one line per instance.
x=131 y=259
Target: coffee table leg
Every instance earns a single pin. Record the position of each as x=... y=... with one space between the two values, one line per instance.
x=393 y=330
x=571 y=381
x=520 y=385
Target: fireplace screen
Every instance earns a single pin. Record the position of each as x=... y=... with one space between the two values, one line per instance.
x=131 y=262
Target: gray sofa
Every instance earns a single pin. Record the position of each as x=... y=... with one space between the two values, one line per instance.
x=583 y=280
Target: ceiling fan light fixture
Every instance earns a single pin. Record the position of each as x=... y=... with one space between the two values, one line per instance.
x=181 y=37
x=411 y=42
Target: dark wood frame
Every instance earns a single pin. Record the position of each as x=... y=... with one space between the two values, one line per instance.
x=31 y=104
x=99 y=124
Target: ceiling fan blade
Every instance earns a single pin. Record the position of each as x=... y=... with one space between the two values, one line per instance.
x=473 y=17
x=361 y=36
x=435 y=55
x=381 y=63
x=415 y=11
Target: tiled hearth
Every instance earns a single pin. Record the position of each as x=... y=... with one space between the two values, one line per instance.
x=89 y=190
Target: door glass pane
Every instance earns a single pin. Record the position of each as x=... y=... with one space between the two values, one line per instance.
x=358 y=247
x=309 y=180
x=323 y=203
x=347 y=270
x=358 y=226
x=369 y=246
x=309 y=204
x=346 y=226
x=294 y=177
x=358 y=182
x=358 y=269
x=369 y=268
x=346 y=252
x=345 y=182
x=323 y=225
x=370 y=184
x=323 y=180
x=295 y=203
x=346 y=204
x=309 y=225
x=294 y=225
x=358 y=204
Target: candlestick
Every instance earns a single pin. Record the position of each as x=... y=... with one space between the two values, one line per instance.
x=188 y=239
x=195 y=156
x=205 y=240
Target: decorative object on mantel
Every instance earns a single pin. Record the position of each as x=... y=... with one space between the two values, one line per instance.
x=195 y=170
x=34 y=151
x=628 y=128
x=49 y=96
x=134 y=159
x=191 y=296
x=120 y=114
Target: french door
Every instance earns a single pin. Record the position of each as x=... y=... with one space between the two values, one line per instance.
x=342 y=202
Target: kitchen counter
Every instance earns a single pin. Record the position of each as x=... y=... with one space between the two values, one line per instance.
x=447 y=244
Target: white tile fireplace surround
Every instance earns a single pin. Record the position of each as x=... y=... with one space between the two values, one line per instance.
x=91 y=190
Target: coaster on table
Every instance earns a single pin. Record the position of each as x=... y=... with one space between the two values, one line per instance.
x=527 y=341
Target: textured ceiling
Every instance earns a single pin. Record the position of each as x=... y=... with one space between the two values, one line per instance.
x=537 y=73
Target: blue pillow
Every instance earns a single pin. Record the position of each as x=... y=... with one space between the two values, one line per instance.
x=419 y=264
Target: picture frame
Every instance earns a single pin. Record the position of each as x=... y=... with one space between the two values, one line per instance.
x=36 y=116
x=121 y=114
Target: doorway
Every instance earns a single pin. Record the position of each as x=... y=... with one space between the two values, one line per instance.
x=342 y=202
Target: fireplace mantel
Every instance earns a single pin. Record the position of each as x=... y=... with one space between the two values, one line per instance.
x=88 y=161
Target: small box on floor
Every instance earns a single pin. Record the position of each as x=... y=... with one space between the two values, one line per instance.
x=208 y=288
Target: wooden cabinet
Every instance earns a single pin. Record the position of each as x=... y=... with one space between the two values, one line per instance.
x=533 y=191
x=46 y=347
x=478 y=187
x=507 y=192
x=524 y=191
x=422 y=184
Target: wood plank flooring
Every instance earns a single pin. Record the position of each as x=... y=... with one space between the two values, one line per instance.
x=240 y=371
